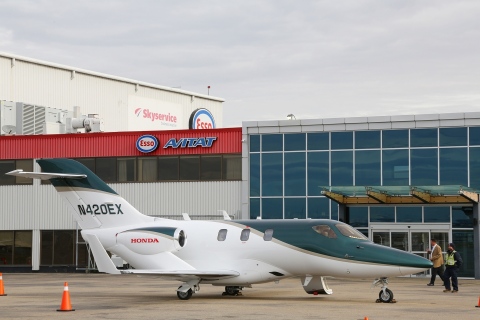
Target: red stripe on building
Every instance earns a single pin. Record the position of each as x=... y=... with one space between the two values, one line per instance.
x=114 y=144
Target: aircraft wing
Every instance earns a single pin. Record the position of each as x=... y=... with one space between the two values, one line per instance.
x=185 y=274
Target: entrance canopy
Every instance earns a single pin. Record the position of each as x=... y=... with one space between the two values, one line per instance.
x=448 y=194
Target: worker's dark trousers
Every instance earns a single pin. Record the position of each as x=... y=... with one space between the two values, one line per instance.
x=450 y=272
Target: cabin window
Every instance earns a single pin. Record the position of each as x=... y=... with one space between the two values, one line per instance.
x=222 y=235
x=268 y=235
x=350 y=232
x=325 y=231
x=245 y=234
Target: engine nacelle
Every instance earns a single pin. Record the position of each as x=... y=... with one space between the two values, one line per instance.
x=153 y=240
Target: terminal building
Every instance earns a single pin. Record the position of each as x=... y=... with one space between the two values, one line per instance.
x=400 y=180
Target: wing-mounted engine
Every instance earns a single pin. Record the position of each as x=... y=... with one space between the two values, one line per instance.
x=153 y=240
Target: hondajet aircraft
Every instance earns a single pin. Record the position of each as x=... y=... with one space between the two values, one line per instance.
x=234 y=254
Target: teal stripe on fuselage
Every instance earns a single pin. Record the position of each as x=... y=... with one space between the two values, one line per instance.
x=74 y=167
x=168 y=231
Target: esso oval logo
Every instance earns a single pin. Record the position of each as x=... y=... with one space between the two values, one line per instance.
x=147 y=143
x=202 y=119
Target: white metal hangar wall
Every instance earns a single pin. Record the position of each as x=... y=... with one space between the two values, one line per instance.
x=117 y=100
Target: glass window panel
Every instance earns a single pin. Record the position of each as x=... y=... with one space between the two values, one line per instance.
x=453 y=166
x=395 y=138
x=268 y=235
x=294 y=141
x=382 y=214
x=295 y=180
x=222 y=234
x=7 y=166
x=461 y=217
x=465 y=245
x=381 y=237
x=46 y=250
x=6 y=247
x=211 y=168
x=272 y=142
x=342 y=168
x=442 y=239
x=106 y=169
x=87 y=162
x=318 y=208
x=357 y=216
x=367 y=139
x=423 y=138
x=317 y=141
x=26 y=165
x=127 y=170
x=189 y=168
x=367 y=168
x=64 y=247
x=23 y=248
x=254 y=143
x=395 y=167
x=168 y=168
x=272 y=174
x=342 y=140
x=255 y=175
x=400 y=240
x=254 y=208
x=245 y=235
x=424 y=163
x=232 y=167
x=474 y=136
x=436 y=214
x=364 y=232
x=272 y=208
x=420 y=241
x=317 y=172
x=147 y=169
x=295 y=208
x=450 y=137
x=334 y=210
x=475 y=168
x=409 y=214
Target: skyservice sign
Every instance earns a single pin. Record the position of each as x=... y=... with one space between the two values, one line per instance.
x=152 y=114
x=201 y=119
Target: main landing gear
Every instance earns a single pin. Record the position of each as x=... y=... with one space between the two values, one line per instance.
x=385 y=295
x=232 y=291
x=186 y=290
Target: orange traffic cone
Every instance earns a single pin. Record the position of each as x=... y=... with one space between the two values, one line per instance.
x=2 y=291
x=477 y=306
x=66 y=305
x=366 y=318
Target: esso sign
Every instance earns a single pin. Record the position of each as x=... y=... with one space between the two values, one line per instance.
x=147 y=143
x=202 y=119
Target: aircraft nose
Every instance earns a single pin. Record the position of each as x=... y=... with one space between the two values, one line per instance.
x=400 y=258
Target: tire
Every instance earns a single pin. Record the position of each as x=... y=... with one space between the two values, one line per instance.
x=231 y=291
x=385 y=297
x=185 y=295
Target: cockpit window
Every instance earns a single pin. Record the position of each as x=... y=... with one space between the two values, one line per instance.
x=350 y=232
x=325 y=231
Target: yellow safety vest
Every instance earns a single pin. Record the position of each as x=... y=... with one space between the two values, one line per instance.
x=450 y=260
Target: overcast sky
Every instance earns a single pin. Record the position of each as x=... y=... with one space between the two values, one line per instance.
x=267 y=59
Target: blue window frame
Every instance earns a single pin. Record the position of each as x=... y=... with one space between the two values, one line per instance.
x=255 y=175
x=475 y=167
x=450 y=137
x=461 y=217
x=436 y=214
x=395 y=167
x=474 y=136
x=358 y=216
x=367 y=168
x=294 y=141
x=295 y=208
x=342 y=140
x=272 y=208
x=272 y=142
x=254 y=208
x=382 y=214
x=464 y=244
x=453 y=166
x=342 y=168
x=423 y=138
x=395 y=138
x=272 y=174
x=424 y=166
x=409 y=214
x=294 y=170
x=318 y=208
x=318 y=141
x=317 y=172
x=367 y=139
x=254 y=143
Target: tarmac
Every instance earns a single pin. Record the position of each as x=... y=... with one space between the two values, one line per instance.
x=100 y=296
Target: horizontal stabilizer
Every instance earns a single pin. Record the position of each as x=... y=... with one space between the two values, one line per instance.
x=45 y=175
x=186 y=274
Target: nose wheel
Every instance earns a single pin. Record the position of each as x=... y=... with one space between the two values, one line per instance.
x=385 y=295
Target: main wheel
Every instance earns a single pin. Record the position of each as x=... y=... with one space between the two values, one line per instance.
x=231 y=291
x=184 y=295
x=386 y=296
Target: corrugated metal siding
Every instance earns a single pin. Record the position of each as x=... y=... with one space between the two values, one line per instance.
x=45 y=210
x=113 y=144
x=5 y=78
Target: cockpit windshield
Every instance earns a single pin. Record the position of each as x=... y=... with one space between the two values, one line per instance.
x=325 y=231
x=350 y=232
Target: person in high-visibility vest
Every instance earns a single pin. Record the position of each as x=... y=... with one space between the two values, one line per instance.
x=453 y=261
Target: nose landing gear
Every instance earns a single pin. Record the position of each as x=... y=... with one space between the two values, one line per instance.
x=385 y=295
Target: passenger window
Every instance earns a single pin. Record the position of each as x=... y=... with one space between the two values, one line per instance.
x=245 y=234
x=268 y=235
x=325 y=231
x=222 y=235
